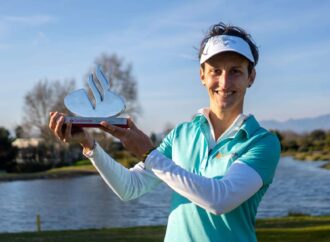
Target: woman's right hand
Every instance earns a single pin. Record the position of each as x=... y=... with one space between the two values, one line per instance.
x=63 y=131
x=132 y=138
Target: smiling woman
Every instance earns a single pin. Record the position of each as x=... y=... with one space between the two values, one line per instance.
x=219 y=165
x=226 y=77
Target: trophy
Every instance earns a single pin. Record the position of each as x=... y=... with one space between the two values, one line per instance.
x=104 y=106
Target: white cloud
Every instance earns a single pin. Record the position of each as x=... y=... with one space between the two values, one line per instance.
x=29 y=20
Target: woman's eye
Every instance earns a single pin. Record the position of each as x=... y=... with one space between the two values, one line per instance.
x=217 y=71
x=235 y=71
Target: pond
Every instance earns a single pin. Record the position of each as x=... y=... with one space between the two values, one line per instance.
x=87 y=202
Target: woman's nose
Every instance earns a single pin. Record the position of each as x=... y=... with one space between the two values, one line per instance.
x=224 y=80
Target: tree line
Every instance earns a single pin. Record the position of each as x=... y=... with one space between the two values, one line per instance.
x=314 y=145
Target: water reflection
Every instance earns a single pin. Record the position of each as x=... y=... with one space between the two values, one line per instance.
x=86 y=202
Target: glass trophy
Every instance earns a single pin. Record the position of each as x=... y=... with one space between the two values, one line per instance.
x=104 y=106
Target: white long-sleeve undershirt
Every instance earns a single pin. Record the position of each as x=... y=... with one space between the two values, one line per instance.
x=128 y=184
x=215 y=195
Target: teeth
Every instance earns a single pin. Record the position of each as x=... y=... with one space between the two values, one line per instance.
x=224 y=94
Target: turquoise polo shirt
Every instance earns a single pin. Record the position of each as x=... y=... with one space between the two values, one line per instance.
x=187 y=145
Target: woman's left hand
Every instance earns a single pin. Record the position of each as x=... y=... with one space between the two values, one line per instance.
x=132 y=138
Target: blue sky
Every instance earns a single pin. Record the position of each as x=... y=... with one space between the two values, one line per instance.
x=60 y=39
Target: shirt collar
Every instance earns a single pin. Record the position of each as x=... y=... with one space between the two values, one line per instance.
x=231 y=130
x=250 y=126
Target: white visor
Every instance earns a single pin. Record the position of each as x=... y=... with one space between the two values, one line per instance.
x=223 y=43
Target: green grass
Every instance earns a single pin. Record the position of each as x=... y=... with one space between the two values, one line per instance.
x=83 y=168
x=82 y=162
x=138 y=234
x=300 y=228
x=62 y=172
x=288 y=229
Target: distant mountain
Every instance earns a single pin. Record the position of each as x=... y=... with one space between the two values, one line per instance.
x=299 y=125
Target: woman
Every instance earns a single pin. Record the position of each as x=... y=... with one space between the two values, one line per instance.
x=219 y=165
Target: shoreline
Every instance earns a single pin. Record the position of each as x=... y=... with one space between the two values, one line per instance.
x=84 y=170
x=56 y=173
x=308 y=156
x=299 y=158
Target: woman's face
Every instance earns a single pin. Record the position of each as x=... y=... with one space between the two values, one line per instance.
x=226 y=78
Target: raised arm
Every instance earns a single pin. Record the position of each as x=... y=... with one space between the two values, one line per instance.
x=126 y=183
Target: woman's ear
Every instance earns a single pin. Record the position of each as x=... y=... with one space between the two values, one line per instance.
x=201 y=75
x=252 y=77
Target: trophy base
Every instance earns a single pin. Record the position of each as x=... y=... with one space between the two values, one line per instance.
x=91 y=122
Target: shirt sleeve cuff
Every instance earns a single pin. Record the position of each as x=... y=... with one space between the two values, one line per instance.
x=90 y=153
